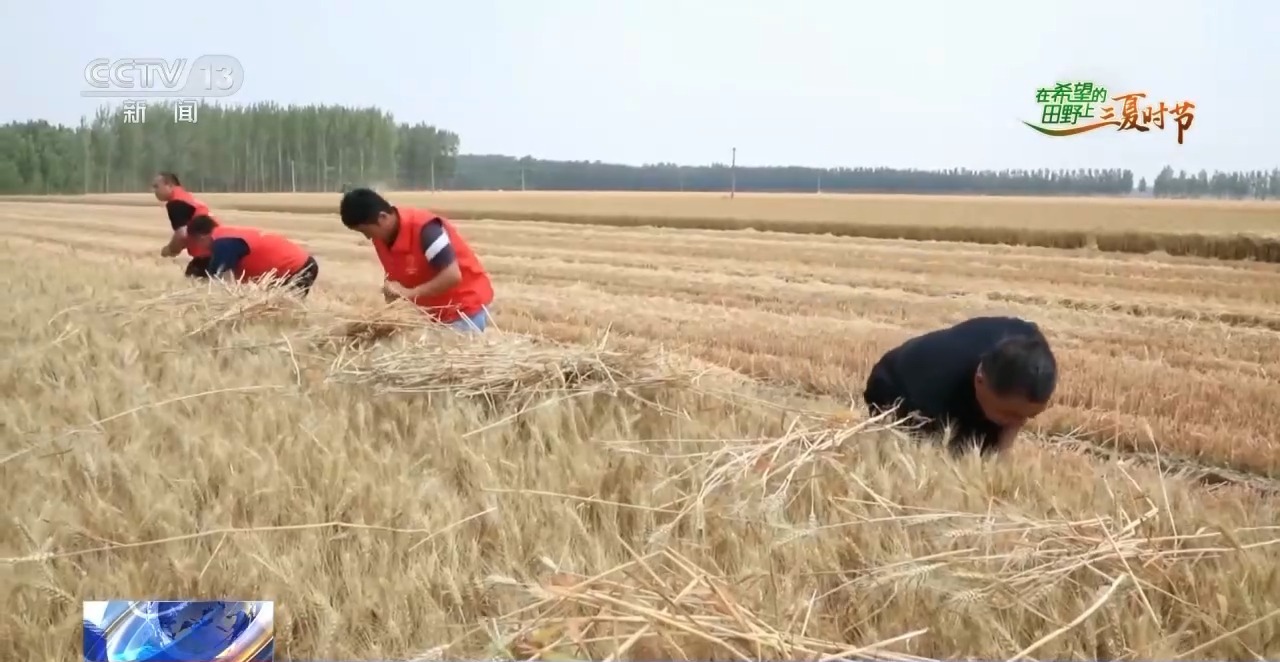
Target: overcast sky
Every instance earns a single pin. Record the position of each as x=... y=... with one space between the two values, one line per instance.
x=912 y=83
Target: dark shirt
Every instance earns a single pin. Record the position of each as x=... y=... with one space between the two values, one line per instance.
x=226 y=255
x=180 y=213
x=932 y=375
x=436 y=246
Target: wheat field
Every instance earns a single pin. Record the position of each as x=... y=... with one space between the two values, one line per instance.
x=1223 y=229
x=705 y=487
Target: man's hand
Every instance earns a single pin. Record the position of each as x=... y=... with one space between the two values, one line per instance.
x=392 y=290
x=167 y=251
x=1007 y=437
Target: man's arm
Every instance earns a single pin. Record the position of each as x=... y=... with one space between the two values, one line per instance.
x=180 y=213
x=1005 y=439
x=226 y=256
x=435 y=243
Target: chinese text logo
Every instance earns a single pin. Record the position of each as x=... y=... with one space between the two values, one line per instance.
x=1068 y=104
x=208 y=76
x=184 y=111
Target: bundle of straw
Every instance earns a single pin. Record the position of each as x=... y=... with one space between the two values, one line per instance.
x=657 y=603
x=221 y=303
x=364 y=326
x=500 y=365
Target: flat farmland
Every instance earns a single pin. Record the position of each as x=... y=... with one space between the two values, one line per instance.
x=1204 y=228
x=158 y=439
x=1159 y=352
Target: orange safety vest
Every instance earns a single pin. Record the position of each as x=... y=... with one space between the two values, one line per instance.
x=267 y=253
x=405 y=262
x=180 y=194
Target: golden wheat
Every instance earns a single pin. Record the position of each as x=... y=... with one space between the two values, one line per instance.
x=164 y=440
x=1170 y=356
x=147 y=453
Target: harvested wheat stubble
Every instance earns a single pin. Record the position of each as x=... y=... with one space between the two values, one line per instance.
x=1174 y=466
x=1114 y=225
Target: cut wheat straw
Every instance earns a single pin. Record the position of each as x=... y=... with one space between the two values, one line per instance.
x=506 y=366
x=662 y=599
x=223 y=303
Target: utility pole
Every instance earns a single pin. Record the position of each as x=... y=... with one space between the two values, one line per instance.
x=819 y=182
x=522 y=179
x=293 y=176
x=733 y=173
x=433 y=174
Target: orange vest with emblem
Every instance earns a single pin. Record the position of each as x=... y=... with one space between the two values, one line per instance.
x=180 y=194
x=405 y=262
x=267 y=253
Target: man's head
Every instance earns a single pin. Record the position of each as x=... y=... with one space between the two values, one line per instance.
x=1015 y=380
x=200 y=231
x=162 y=184
x=368 y=213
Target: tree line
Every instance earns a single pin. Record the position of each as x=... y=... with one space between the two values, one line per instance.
x=271 y=147
x=260 y=147
x=1257 y=184
x=505 y=172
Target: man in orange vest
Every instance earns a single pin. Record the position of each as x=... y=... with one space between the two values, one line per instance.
x=181 y=207
x=425 y=259
x=249 y=254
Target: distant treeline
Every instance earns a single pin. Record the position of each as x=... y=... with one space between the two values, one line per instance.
x=1257 y=184
x=484 y=172
x=505 y=172
x=269 y=147
x=262 y=147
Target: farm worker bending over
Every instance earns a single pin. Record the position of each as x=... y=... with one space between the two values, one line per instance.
x=181 y=207
x=249 y=254
x=987 y=376
x=425 y=259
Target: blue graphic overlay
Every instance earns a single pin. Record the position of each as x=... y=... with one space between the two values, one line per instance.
x=179 y=631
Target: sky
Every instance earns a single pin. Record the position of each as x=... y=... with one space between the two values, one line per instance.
x=913 y=83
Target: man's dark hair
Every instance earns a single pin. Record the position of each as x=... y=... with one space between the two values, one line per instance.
x=1022 y=366
x=169 y=178
x=201 y=226
x=361 y=207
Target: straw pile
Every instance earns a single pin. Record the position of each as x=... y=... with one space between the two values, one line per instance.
x=657 y=603
x=504 y=367
x=223 y=304
x=393 y=348
x=361 y=327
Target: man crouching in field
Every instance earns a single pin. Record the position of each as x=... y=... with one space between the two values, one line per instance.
x=181 y=207
x=249 y=254
x=425 y=259
x=986 y=376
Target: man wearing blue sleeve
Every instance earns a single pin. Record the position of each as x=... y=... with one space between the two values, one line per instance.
x=253 y=255
x=435 y=243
